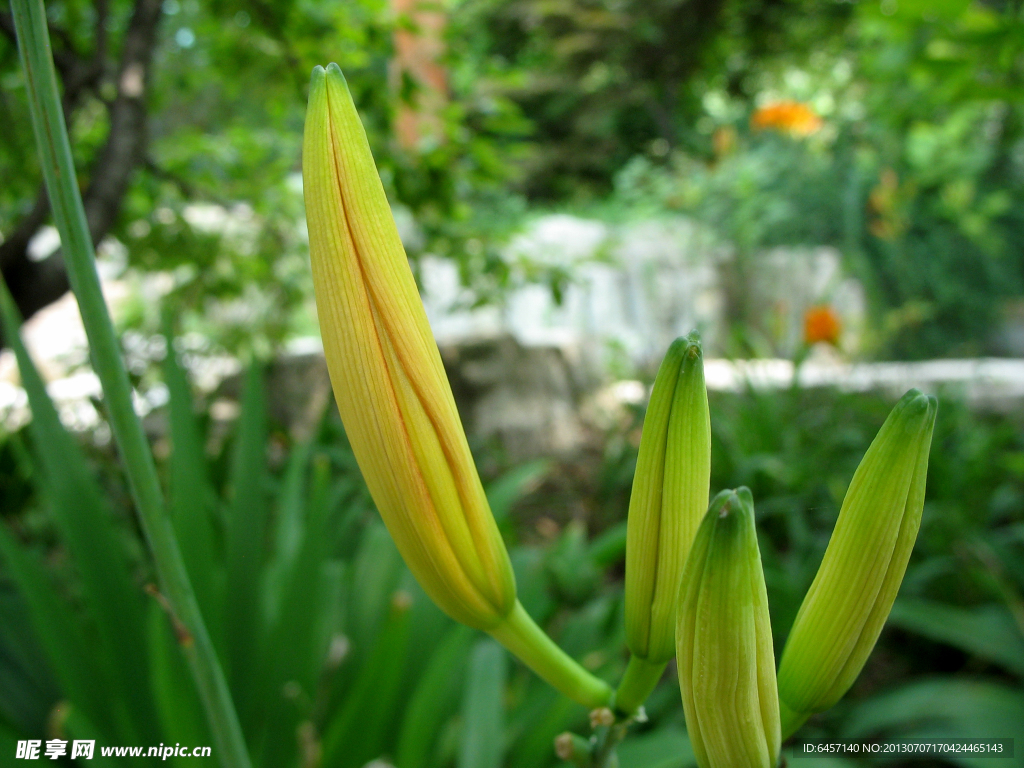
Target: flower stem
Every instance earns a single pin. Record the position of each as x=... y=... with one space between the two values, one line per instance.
x=521 y=635
x=608 y=738
x=791 y=721
x=80 y=261
x=636 y=685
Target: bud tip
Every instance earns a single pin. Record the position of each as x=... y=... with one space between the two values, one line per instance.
x=563 y=746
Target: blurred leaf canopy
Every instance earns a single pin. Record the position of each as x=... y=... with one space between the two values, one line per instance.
x=915 y=174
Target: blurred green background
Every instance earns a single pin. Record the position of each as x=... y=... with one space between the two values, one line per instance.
x=890 y=132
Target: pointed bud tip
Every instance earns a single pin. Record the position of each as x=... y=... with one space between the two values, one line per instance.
x=687 y=347
x=918 y=400
x=915 y=406
x=730 y=502
x=335 y=74
x=332 y=72
x=317 y=82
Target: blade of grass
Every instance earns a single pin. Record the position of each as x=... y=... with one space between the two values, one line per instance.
x=76 y=725
x=174 y=692
x=113 y=601
x=375 y=577
x=506 y=490
x=483 y=708
x=192 y=499
x=291 y=524
x=665 y=748
x=28 y=689
x=543 y=715
x=357 y=734
x=79 y=257
x=987 y=632
x=433 y=700
x=244 y=538
x=294 y=656
x=8 y=739
x=940 y=707
x=57 y=630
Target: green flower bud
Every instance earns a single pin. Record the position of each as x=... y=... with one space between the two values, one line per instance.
x=851 y=596
x=669 y=498
x=724 y=642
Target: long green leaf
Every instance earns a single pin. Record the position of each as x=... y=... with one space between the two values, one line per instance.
x=294 y=654
x=433 y=700
x=51 y=135
x=667 y=747
x=57 y=630
x=539 y=719
x=988 y=632
x=174 y=692
x=77 y=725
x=506 y=490
x=8 y=740
x=246 y=529
x=375 y=575
x=86 y=523
x=943 y=708
x=28 y=689
x=359 y=731
x=483 y=708
x=290 y=523
x=191 y=495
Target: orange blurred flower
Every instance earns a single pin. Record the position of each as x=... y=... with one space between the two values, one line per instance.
x=821 y=323
x=792 y=117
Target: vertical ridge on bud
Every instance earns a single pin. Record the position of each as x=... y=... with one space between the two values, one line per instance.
x=850 y=598
x=390 y=385
x=724 y=652
x=394 y=397
x=669 y=498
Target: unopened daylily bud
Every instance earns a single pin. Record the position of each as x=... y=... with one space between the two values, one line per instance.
x=392 y=391
x=394 y=396
x=669 y=499
x=724 y=651
x=851 y=595
x=573 y=749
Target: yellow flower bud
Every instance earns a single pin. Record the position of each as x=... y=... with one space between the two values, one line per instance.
x=851 y=595
x=395 y=399
x=724 y=642
x=669 y=499
x=392 y=391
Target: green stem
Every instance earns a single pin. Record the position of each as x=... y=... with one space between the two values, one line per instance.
x=637 y=683
x=80 y=262
x=608 y=738
x=534 y=648
x=791 y=721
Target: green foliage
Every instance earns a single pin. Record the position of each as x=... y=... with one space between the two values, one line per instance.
x=603 y=81
x=914 y=176
x=335 y=607
x=212 y=221
x=330 y=647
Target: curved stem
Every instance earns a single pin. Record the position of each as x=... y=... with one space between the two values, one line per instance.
x=791 y=721
x=636 y=685
x=521 y=635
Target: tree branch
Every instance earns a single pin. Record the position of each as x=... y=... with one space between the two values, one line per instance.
x=35 y=284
